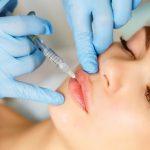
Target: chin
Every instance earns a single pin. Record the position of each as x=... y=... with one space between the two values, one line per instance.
x=68 y=116
x=61 y=114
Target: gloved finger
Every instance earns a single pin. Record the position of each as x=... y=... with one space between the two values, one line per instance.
x=3 y=3
x=122 y=11
x=17 y=47
x=24 y=91
x=4 y=57
x=103 y=27
x=83 y=38
x=136 y=3
x=25 y=64
x=10 y=6
x=24 y=25
x=66 y=9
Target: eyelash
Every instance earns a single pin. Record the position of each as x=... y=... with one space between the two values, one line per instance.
x=148 y=43
x=124 y=44
x=147 y=93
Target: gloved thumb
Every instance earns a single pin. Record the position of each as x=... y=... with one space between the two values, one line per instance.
x=136 y=3
x=24 y=91
x=3 y=4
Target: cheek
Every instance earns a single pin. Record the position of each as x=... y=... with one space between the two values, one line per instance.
x=67 y=119
x=117 y=113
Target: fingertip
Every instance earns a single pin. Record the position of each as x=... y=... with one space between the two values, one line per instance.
x=48 y=28
x=37 y=58
x=20 y=26
x=57 y=100
x=91 y=66
x=88 y=57
x=101 y=43
x=136 y=3
x=122 y=12
x=120 y=21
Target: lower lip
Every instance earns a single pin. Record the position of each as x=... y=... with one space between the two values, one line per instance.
x=77 y=92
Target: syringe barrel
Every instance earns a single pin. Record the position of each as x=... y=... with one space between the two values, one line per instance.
x=52 y=56
x=48 y=52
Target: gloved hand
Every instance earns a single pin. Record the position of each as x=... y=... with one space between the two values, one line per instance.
x=105 y=15
x=7 y=5
x=19 y=56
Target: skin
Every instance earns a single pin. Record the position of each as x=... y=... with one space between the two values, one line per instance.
x=119 y=113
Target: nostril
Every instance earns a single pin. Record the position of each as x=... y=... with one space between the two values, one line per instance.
x=107 y=81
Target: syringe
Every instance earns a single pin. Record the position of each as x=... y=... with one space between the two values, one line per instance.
x=50 y=54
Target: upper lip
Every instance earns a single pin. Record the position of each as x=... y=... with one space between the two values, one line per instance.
x=83 y=80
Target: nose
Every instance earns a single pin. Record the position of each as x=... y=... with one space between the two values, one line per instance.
x=113 y=73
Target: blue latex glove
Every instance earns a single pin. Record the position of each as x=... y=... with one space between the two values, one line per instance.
x=104 y=15
x=7 y=5
x=19 y=56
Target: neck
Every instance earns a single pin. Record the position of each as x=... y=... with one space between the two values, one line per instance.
x=49 y=138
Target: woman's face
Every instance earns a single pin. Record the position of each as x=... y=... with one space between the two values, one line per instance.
x=109 y=110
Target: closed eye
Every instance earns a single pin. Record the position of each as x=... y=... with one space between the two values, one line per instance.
x=147 y=36
x=148 y=43
x=124 y=44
